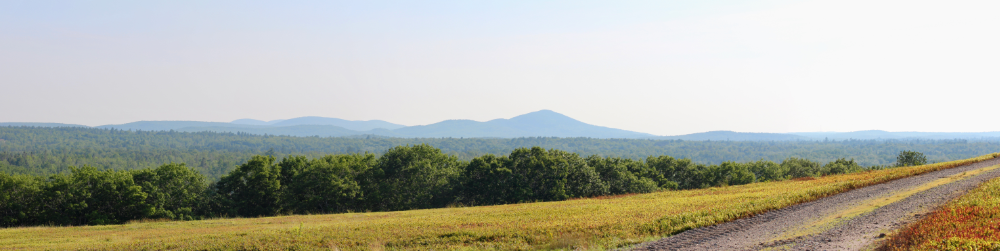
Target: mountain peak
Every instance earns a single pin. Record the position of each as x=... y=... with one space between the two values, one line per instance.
x=545 y=112
x=543 y=116
x=249 y=122
x=255 y=122
x=542 y=123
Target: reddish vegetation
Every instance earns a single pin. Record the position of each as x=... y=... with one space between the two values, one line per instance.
x=971 y=222
x=803 y=178
x=966 y=223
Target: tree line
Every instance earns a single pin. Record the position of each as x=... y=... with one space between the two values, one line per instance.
x=401 y=178
x=45 y=151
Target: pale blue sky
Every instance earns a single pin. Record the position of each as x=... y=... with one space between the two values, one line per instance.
x=662 y=67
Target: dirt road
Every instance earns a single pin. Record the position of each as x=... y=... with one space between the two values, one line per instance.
x=854 y=220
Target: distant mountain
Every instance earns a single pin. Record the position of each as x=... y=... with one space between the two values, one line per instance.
x=255 y=122
x=736 y=136
x=356 y=125
x=170 y=125
x=295 y=130
x=459 y=128
x=304 y=126
x=40 y=124
x=544 y=123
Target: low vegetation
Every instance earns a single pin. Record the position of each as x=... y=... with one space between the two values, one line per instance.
x=402 y=178
x=590 y=223
x=970 y=222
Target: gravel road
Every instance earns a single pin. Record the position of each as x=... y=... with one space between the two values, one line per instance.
x=853 y=220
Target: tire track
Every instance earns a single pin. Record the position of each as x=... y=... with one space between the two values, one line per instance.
x=851 y=220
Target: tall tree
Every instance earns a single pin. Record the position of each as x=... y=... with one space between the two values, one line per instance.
x=254 y=188
x=325 y=185
x=910 y=158
x=174 y=190
x=411 y=177
x=622 y=175
x=766 y=170
x=101 y=197
x=20 y=200
x=488 y=180
x=798 y=167
x=732 y=173
x=841 y=166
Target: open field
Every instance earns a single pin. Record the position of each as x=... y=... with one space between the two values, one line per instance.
x=970 y=222
x=595 y=223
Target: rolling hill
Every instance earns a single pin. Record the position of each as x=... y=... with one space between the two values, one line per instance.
x=355 y=125
x=879 y=134
x=736 y=136
x=543 y=123
x=32 y=124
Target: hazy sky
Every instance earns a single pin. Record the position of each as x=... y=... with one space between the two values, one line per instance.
x=662 y=67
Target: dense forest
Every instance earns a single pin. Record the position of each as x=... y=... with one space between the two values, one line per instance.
x=402 y=178
x=44 y=151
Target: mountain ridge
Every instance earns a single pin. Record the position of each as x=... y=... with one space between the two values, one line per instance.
x=542 y=123
x=357 y=125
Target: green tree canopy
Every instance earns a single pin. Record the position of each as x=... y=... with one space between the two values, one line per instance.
x=910 y=158
x=253 y=189
x=411 y=177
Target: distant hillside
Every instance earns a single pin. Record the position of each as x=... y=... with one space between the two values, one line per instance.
x=30 y=124
x=296 y=130
x=255 y=122
x=44 y=150
x=819 y=136
x=544 y=123
x=879 y=134
x=458 y=128
x=356 y=125
x=736 y=136
x=170 y=125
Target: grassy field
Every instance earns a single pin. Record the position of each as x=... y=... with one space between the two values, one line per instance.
x=970 y=222
x=594 y=223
